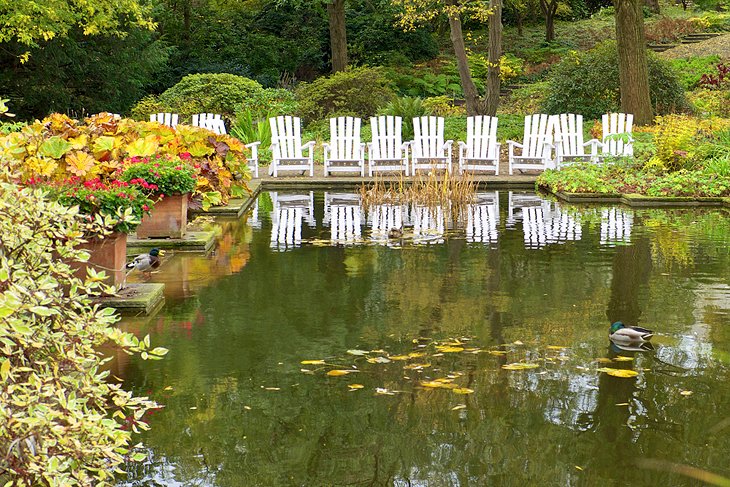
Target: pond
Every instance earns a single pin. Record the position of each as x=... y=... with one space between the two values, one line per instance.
x=420 y=328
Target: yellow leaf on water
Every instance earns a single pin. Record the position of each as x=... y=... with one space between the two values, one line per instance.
x=622 y=358
x=340 y=372
x=358 y=352
x=448 y=349
x=378 y=360
x=604 y=360
x=498 y=352
x=436 y=384
x=462 y=390
x=622 y=404
x=272 y=388
x=381 y=391
x=354 y=387
x=416 y=366
x=625 y=373
x=460 y=406
x=686 y=393
x=416 y=354
x=577 y=467
x=520 y=366
x=312 y=362
x=168 y=388
x=555 y=347
x=399 y=357
x=517 y=342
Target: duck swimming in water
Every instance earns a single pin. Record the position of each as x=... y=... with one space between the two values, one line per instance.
x=622 y=333
x=395 y=232
x=146 y=262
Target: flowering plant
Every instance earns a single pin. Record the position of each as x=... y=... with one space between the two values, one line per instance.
x=114 y=199
x=159 y=175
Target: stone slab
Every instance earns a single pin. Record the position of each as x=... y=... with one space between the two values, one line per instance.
x=637 y=200
x=136 y=298
x=192 y=241
x=235 y=207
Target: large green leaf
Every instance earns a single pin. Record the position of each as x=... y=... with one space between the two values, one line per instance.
x=55 y=147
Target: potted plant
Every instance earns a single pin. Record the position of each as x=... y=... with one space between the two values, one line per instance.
x=169 y=181
x=115 y=201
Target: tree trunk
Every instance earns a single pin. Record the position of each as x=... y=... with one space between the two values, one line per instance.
x=653 y=6
x=632 y=64
x=519 y=21
x=491 y=100
x=338 y=34
x=549 y=7
x=467 y=84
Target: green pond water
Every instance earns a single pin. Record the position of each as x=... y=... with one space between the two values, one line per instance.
x=520 y=280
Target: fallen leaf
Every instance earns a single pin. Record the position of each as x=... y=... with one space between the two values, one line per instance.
x=625 y=373
x=498 y=352
x=384 y=392
x=340 y=372
x=686 y=393
x=622 y=404
x=450 y=349
x=272 y=388
x=399 y=357
x=604 y=360
x=306 y=371
x=622 y=358
x=354 y=387
x=555 y=347
x=194 y=407
x=416 y=354
x=460 y=406
x=312 y=362
x=416 y=366
x=520 y=366
x=577 y=467
x=517 y=342
x=247 y=408
x=168 y=388
x=462 y=390
x=379 y=360
x=437 y=384
x=358 y=353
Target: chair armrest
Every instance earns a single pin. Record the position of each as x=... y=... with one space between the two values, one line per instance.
x=513 y=144
x=406 y=145
x=448 y=143
x=254 y=146
x=308 y=144
x=462 y=145
x=325 y=146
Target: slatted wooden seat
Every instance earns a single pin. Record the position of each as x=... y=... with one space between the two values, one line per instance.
x=211 y=121
x=344 y=152
x=287 y=149
x=387 y=151
x=617 y=139
x=537 y=145
x=167 y=118
x=480 y=152
x=569 y=145
x=428 y=149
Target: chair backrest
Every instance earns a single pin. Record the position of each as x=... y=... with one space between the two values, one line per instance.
x=210 y=121
x=568 y=128
x=613 y=124
x=481 y=137
x=169 y=119
x=387 y=140
x=428 y=137
x=345 y=138
x=538 y=132
x=286 y=132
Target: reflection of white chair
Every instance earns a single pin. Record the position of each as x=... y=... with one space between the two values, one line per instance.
x=169 y=119
x=481 y=150
x=286 y=218
x=616 y=226
x=344 y=152
x=542 y=227
x=287 y=151
x=428 y=224
x=387 y=151
x=428 y=149
x=517 y=202
x=384 y=217
x=482 y=218
x=253 y=215
x=537 y=145
x=343 y=213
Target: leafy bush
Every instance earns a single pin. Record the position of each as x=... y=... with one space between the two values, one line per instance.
x=689 y=183
x=717 y=79
x=212 y=92
x=408 y=108
x=442 y=106
x=62 y=421
x=674 y=138
x=588 y=83
x=689 y=70
x=359 y=92
x=709 y=103
x=526 y=99
x=168 y=175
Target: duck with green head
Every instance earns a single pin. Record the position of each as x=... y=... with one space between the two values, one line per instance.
x=146 y=262
x=622 y=333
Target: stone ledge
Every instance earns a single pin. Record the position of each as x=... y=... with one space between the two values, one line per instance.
x=192 y=241
x=136 y=298
x=638 y=200
x=235 y=207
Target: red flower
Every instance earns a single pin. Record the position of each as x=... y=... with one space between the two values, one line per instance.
x=185 y=155
x=145 y=208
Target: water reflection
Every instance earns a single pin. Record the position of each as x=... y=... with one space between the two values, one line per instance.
x=482 y=218
x=616 y=226
x=290 y=210
x=344 y=215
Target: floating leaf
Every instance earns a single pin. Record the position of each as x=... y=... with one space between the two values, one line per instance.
x=517 y=342
x=381 y=391
x=354 y=387
x=520 y=366
x=358 y=353
x=449 y=349
x=416 y=366
x=555 y=347
x=313 y=362
x=272 y=388
x=622 y=404
x=579 y=468
x=686 y=393
x=459 y=406
x=168 y=388
x=379 y=360
x=622 y=358
x=340 y=372
x=604 y=360
x=399 y=357
x=625 y=373
x=416 y=354
x=462 y=390
x=498 y=352
x=437 y=384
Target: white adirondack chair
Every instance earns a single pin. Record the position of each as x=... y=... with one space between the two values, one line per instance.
x=569 y=145
x=537 y=145
x=253 y=161
x=344 y=152
x=387 y=151
x=615 y=125
x=428 y=149
x=482 y=218
x=210 y=121
x=481 y=150
x=286 y=146
x=169 y=119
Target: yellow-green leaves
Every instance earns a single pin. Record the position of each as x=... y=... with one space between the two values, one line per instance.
x=625 y=373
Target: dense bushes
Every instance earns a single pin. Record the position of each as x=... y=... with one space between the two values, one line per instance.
x=219 y=93
x=588 y=83
x=358 y=92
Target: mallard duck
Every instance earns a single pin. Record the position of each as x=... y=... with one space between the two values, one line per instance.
x=146 y=262
x=622 y=333
x=395 y=232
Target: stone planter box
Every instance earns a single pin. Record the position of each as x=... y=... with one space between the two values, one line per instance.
x=167 y=219
x=107 y=254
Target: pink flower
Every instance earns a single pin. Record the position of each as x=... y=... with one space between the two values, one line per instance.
x=185 y=155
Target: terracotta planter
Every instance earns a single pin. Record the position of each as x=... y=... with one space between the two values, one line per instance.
x=167 y=219
x=107 y=254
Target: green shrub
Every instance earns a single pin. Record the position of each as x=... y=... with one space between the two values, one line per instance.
x=689 y=70
x=442 y=106
x=62 y=420
x=359 y=92
x=217 y=92
x=408 y=108
x=526 y=99
x=588 y=83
